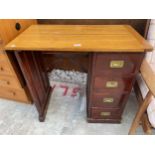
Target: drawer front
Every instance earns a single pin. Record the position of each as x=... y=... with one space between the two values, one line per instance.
x=102 y=113
x=13 y=94
x=3 y=56
x=117 y=64
x=112 y=84
x=9 y=82
x=108 y=100
x=5 y=68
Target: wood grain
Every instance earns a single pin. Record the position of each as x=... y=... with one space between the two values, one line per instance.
x=8 y=30
x=37 y=80
x=99 y=38
x=148 y=75
x=138 y=24
x=146 y=124
x=81 y=62
x=14 y=94
x=97 y=80
x=145 y=121
x=12 y=83
x=140 y=113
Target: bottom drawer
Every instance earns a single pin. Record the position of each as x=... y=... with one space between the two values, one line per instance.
x=9 y=82
x=13 y=94
x=93 y=120
x=102 y=113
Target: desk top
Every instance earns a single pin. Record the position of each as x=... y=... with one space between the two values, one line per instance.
x=83 y=38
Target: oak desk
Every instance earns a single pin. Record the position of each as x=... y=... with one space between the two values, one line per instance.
x=115 y=56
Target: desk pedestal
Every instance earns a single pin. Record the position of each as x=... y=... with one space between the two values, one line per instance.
x=36 y=79
x=110 y=80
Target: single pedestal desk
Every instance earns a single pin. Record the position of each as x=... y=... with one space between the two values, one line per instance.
x=115 y=55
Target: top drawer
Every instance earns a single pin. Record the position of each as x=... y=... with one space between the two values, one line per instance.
x=117 y=63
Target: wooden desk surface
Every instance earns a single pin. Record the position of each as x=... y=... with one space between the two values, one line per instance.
x=83 y=38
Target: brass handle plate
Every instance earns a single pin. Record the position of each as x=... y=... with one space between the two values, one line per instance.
x=108 y=100
x=111 y=84
x=117 y=64
x=105 y=113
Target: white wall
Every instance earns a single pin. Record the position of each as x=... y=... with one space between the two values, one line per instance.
x=150 y=56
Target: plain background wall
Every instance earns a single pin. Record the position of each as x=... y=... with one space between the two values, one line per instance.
x=150 y=56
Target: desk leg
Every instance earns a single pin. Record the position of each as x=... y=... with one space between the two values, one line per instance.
x=36 y=79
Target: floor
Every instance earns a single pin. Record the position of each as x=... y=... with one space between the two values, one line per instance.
x=66 y=115
x=62 y=118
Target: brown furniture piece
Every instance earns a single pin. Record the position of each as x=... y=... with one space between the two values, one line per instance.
x=11 y=86
x=115 y=55
x=79 y=62
x=113 y=76
x=149 y=77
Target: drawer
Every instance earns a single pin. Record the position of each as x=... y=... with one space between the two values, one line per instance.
x=108 y=100
x=112 y=84
x=3 y=56
x=117 y=64
x=14 y=94
x=102 y=113
x=5 y=68
x=9 y=82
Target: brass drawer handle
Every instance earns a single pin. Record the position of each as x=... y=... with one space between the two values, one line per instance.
x=105 y=113
x=108 y=100
x=117 y=64
x=111 y=84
